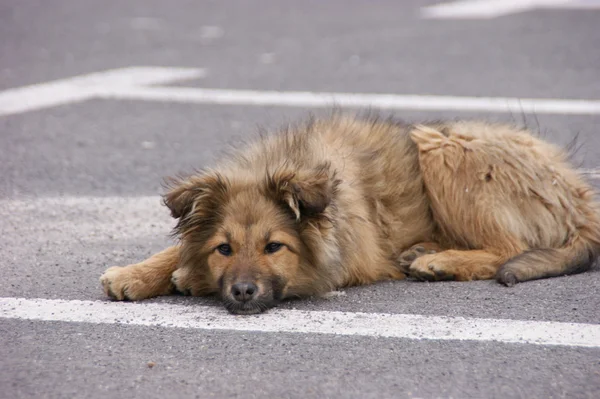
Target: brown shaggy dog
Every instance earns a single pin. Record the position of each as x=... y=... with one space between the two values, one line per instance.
x=350 y=201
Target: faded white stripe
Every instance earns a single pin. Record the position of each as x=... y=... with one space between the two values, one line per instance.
x=139 y=83
x=83 y=219
x=85 y=87
x=352 y=100
x=471 y=9
x=306 y=322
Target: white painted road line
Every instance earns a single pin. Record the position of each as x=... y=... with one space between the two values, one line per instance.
x=86 y=87
x=99 y=219
x=478 y=9
x=307 y=322
x=593 y=173
x=485 y=9
x=137 y=83
x=353 y=100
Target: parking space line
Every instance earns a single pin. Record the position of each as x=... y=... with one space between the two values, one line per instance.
x=86 y=87
x=593 y=173
x=139 y=83
x=477 y=8
x=354 y=100
x=485 y=9
x=416 y=327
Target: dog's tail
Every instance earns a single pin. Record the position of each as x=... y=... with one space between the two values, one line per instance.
x=577 y=256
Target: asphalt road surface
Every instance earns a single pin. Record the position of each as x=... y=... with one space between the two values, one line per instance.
x=81 y=166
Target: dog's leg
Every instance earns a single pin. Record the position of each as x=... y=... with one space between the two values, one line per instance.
x=407 y=257
x=456 y=265
x=149 y=278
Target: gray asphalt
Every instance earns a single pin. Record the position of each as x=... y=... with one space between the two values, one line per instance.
x=96 y=149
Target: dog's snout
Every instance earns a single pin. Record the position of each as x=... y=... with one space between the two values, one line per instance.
x=244 y=292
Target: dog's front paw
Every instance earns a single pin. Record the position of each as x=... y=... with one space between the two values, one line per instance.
x=124 y=283
x=179 y=279
x=190 y=281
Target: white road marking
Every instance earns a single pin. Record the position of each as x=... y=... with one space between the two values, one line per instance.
x=484 y=9
x=137 y=83
x=308 y=322
x=98 y=219
x=86 y=87
x=354 y=100
x=590 y=173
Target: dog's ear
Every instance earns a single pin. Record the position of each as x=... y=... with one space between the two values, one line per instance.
x=306 y=192
x=180 y=196
x=197 y=197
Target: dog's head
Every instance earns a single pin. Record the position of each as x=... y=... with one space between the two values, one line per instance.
x=252 y=236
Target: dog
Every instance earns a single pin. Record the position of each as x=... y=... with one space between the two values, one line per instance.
x=345 y=201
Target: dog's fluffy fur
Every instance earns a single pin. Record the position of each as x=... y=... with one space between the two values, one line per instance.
x=349 y=201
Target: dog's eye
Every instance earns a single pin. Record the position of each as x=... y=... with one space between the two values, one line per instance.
x=273 y=247
x=225 y=249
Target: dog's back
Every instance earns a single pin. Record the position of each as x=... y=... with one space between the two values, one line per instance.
x=504 y=197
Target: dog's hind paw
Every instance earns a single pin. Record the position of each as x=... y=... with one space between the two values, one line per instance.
x=407 y=257
x=429 y=268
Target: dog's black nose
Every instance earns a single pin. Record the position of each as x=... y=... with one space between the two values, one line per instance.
x=244 y=292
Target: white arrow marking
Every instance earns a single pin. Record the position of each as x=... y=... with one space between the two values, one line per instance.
x=137 y=83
